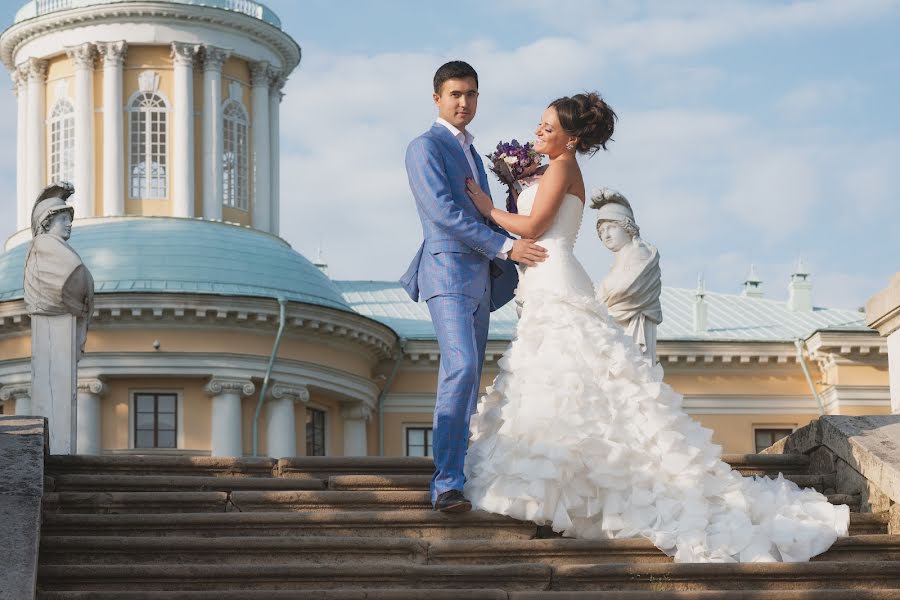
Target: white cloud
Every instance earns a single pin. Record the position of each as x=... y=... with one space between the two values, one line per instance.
x=813 y=99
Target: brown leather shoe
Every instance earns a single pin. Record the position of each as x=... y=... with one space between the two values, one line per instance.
x=452 y=502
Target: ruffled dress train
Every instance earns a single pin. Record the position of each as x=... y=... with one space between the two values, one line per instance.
x=579 y=432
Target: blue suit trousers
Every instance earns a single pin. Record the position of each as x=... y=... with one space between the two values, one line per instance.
x=461 y=324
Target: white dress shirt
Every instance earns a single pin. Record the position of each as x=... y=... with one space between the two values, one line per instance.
x=465 y=140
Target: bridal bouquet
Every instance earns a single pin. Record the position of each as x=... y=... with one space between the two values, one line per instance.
x=511 y=162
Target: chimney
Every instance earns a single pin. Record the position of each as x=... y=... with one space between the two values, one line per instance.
x=800 y=289
x=700 y=307
x=752 y=285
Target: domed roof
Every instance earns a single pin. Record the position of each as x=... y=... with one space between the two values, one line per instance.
x=187 y=256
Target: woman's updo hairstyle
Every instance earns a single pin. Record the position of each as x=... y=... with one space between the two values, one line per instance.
x=587 y=117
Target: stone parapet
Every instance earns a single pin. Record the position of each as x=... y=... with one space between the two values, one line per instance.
x=862 y=453
x=24 y=444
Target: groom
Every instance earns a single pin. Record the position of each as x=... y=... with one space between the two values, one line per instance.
x=463 y=269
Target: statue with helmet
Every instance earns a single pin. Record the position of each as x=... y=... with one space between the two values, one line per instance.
x=57 y=282
x=59 y=296
x=632 y=287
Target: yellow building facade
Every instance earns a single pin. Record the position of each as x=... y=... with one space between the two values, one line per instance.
x=166 y=118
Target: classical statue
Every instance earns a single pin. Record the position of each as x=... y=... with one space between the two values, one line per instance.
x=57 y=282
x=631 y=288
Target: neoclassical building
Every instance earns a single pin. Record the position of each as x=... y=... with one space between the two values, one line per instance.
x=211 y=335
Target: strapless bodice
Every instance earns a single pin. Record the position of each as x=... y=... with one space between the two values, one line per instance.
x=564 y=229
x=561 y=272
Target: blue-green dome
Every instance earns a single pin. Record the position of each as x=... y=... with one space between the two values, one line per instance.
x=169 y=255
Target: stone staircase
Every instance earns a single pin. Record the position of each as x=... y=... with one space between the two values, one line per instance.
x=183 y=528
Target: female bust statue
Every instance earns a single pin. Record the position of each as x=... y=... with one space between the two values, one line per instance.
x=57 y=282
x=631 y=288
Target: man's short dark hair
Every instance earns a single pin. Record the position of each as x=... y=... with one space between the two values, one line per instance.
x=455 y=69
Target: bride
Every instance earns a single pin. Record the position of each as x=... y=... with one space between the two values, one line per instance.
x=578 y=432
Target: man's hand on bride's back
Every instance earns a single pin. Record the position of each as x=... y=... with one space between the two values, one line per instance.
x=528 y=253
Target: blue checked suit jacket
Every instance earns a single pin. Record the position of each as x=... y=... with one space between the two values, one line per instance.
x=459 y=252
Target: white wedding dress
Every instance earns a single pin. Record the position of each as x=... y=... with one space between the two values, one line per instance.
x=579 y=432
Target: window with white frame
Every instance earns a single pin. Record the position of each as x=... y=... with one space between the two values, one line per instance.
x=155 y=420
x=418 y=441
x=236 y=160
x=147 y=156
x=62 y=141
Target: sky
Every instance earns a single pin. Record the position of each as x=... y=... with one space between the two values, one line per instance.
x=748 y=132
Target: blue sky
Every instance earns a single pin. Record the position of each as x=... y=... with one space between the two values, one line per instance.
x=748 y=131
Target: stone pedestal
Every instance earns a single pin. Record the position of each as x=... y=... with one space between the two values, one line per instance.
x=355 y=439
x=23 y=445
x=89 y=436
x=281 y=426
x=54 y=353
x=883 y=315
x=227 y=424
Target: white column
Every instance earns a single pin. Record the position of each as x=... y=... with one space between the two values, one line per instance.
x=36 y=136
x=213 y=140
x=260 y=77
x=275 y=96
x=355 y=418
x=113 y=54
x=227 y=439
x=20 y=393
x=281 y=429
x=83 y=56
x=183 y=130
x=89 y=436
x=23 y=209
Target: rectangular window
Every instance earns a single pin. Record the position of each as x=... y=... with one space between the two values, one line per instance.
x=155 y=420
x=763 y=438
x=418 y=441
x=315 y=432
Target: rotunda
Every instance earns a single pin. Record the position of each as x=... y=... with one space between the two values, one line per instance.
x=165 y=116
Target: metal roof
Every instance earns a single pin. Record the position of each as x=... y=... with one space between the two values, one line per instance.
x=164 y=254
x=730 y=317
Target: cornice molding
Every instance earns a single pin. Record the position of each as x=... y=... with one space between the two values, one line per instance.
x=150 y=12
x=346 y=329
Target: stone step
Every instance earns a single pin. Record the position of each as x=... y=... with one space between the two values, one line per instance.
x=533 y=577
x=733 y=576
x=282 y=577
x=162 y=502
x=163 y=483
x=385 y=524
x=488 y=594
x=159 y=465
x=326 y=466
x=322 y=467
x=421 y=482
x=100 y=550
x=134 y=502
x=331 y=500
x=255 y=550
x=564 y=551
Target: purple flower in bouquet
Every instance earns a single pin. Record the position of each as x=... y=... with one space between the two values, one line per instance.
x=512 y=162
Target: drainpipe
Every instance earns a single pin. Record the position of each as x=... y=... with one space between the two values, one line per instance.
x=798 y=343
x=282 y=307
x=398 y=358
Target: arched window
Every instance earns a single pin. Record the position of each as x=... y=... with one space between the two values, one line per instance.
x=236 y=165
x=147 y=156
x=62 y=141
